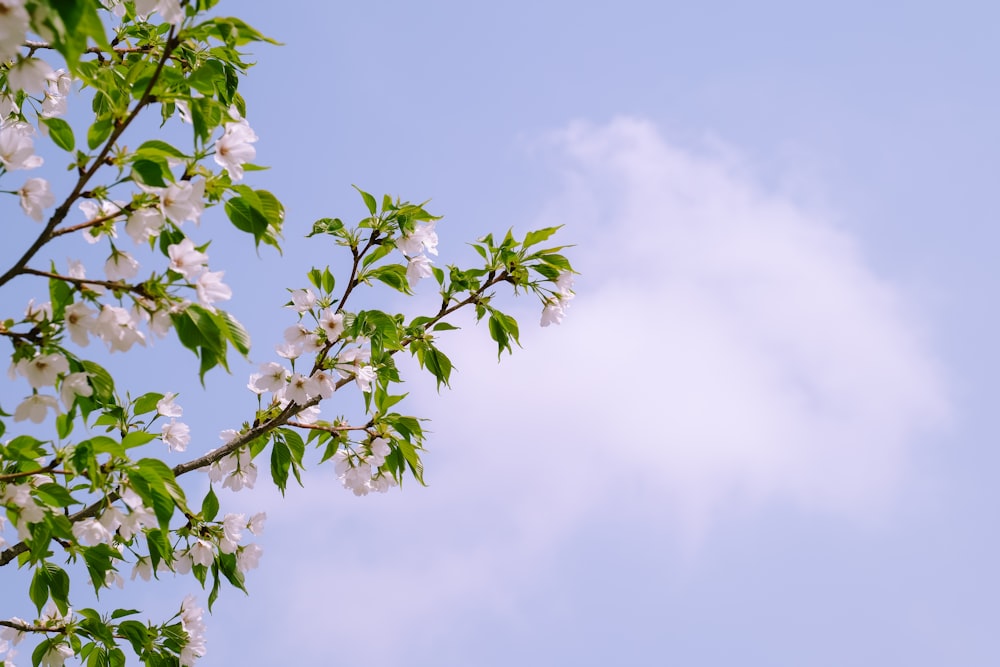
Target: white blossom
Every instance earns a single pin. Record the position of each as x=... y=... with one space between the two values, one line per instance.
x=553 y=312
x=13 y=27
x=80 y=322
x=185 y=259
x=35 y=408
x=38 y=312
x=113 y=578
x=271 y=378
x=248 y=557
x=43 y=370
x=379 y=450
x=29 y=75
x=121 y=266
x=144 y=224
x=422 y=238
x=176 y=435
x=194 y=627
x=244 y=475
x=117 y=328
x=143 y=568
x=166 y=406
x=256 y=523
x=170 y=10
x=324 y=383
x=59 y=85
x=234 y=148
x=202 y=552
x=210 y=288
x=56 y=656
x=303 y=299
x=417 y=268
x=35 y=196
x=73 y=385
x=91 y=532
x=17 y=149
x=300 y=389
x=332 y=324
x=183 y=201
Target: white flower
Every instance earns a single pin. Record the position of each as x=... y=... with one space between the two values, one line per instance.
x=382 y=482
x=35 y=408
x=112 y=577
x=418 y=267
x=39 y=312
x=256 y=523
x=271 y=378
x=170 y=10
x=288 y=350
x=324 y=383
x=364 y=377
x=564 y=285
x=144 y=224
x=244 y=475
x=73 y=385
x=121 y=266
x=423 y=237
x=80 y=320
x=202 y=553
x=210 y=288
x=176 y=435
x=43 y=369
x=553 y=312
x=91 y=532
x=233 y=148
x=248 y=557
x=8 y=103
x=332 y=324
x=29 y=75
x=183 y=201
x=13 y=28
x=17 y=150
x=379 y=450
x=303 y=299
x=56 y=656
x=59 y=85
x=185 y=259
x=232 y=527
x=143 y=568
x=300 y=389
x=13 y=635
x=166 y=406
x=35 y=196
x=117 y=328
x=194 y=627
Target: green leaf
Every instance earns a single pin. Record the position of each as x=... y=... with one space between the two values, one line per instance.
x=61 y=133
x=326 y=226
x=54 y=495
x=146 y=403
x=210 y=505
x=38 y=591
x=137 y=438
x=246 y=218
x=393 y=275
x=99 y=132
x=157 y=148
x=281 y=461
x=369 y=200
x=150 y=172
x=136 y=633
x=236 y=333
x=100 y=380
x=531 y=238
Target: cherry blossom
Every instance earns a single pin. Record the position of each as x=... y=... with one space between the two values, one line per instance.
x=417 y=268
x=17 y=149
x=176 y=435
x=35 y=408
x=13 y=27
x=234 y=148
x=422 y=238
x=29 y=75
x=185 y=259
x=121 y=266
x=210 y=288
x=194 y=628
x=35 y=196
x=166 y=406
x=43 y=370
x=73 y=385
x=144 y=224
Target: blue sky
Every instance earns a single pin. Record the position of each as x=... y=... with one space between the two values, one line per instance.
x=764 y=434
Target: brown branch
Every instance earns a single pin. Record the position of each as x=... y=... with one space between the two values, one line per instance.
x=89 y=223
x=110 y=284
x=27 y=627
x=329 y=429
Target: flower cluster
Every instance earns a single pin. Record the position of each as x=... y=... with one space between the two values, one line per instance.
x=360 y=470
x=414 y=244
x=556 y=305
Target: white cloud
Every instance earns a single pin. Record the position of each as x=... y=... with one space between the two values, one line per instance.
x=726 y=346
